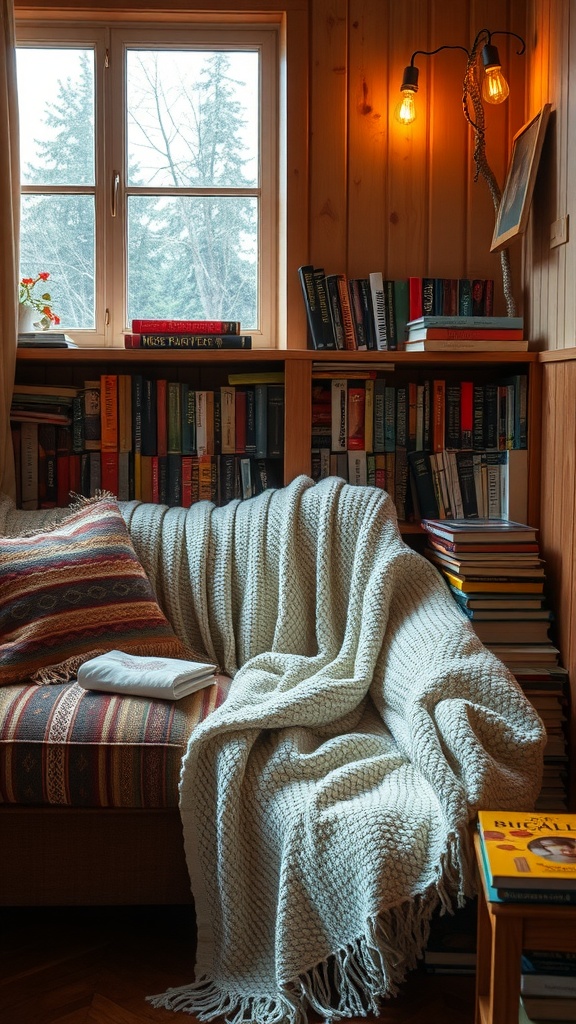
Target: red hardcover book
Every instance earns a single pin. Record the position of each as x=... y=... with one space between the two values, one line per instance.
x=465 y=333
x=74 y=468
x=415 y=298
x=489 y=297
x=438 y=415
x=131 y=340
x=186 y=481
x=466 y=412
x=356 y=418
x=450 y=297
x=187 y=326
x=109 y=471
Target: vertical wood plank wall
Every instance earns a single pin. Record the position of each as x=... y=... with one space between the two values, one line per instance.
x=549 y=284
x=403 y=200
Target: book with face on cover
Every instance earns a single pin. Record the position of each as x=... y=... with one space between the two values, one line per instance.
x=528 y=850
x=166 y=678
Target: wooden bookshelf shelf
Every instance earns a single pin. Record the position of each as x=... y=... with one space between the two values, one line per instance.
x=210 y=368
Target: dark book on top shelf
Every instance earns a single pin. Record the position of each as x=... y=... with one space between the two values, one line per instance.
x=195 y=341
x=317 y=308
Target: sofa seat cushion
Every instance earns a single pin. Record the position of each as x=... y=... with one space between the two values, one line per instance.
x=65 y=745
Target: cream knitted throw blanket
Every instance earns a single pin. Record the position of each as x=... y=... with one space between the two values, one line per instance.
x=326 y=804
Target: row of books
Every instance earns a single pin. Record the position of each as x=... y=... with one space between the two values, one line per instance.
x=497 y=577
x=121 y=428
x=531 y=858
x=132 y=412
x=47 y=473
x=374 y=313
x=376 y=414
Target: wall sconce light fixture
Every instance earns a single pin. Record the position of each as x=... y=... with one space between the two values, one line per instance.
x=493 y=88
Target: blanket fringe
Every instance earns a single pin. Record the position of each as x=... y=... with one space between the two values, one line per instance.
x=206 y=1001
x=350 y=983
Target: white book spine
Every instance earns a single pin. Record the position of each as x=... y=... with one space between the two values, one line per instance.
x=379 y=309
x=339 y=415
x=357 y=468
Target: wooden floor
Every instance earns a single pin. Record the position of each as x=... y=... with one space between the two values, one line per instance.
x=97 y=965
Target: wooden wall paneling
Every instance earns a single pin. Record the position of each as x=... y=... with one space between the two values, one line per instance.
x=407 y=171
x=328 y=139
x=367 y=135
x=295 y=188
x=569 y=119
x=449 y=167
x=517 y=66
x=481 y=212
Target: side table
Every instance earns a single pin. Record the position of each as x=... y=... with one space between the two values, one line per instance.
x=504 y=930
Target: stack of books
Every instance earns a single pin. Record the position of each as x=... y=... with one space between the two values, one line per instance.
x=496 y=576
x=194 y=334
x=531 y=858
x=465 y=334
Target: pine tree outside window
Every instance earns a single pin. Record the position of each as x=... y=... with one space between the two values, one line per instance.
x=150 y=174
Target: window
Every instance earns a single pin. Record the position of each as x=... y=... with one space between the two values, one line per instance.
x=150 y=174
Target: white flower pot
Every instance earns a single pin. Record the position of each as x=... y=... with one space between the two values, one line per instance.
x=27 y=317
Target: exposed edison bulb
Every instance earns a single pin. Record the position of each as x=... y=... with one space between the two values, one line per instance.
x=405 y=111
x=495 y=88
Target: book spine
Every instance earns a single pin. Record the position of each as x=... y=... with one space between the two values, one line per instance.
x=109 y=471
x=161 y=417
x=92 y=416
x=339 y=415
x=429 y=307
x=415 y=297
x=124 y=412
x=379 y=310
x=356 y=417
x=109 y=411
x=391 y=316
x=186 y=326
x=275 y=417
x=328 y=338
x=240 y=424
x=357 y=314
x=228 y=415
x=174 y=417
x=312 y=307
x=350 y=341
x=149 y=420
x=335 y=311
x=379 y=406
x=464 y=297
x=196 y=341
x=261 y=419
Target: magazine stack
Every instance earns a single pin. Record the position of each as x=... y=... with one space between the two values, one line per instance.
x=531 y=858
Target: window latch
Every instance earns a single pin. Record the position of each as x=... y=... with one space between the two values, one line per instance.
x=114 y=195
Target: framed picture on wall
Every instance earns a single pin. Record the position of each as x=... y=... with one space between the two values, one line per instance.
x=512 y=216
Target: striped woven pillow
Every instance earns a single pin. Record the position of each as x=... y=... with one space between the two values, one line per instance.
x=75 y=590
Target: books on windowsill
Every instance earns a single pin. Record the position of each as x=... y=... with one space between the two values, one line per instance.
x=165 y=678
x=45 y=339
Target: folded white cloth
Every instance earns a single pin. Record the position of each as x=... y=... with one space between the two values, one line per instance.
x=168 y=678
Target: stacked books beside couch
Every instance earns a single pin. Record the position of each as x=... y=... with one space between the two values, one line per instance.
x=531 y=858
x=496 y=576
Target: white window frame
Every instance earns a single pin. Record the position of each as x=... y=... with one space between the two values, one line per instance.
x=109 y=43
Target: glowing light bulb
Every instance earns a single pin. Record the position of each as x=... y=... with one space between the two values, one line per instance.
x=495 y=88
x=405 y=111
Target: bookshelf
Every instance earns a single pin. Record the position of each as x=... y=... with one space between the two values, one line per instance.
x=210 y=369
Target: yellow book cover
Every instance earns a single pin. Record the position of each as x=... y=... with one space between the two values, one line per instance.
x=525 y=850
x=520 y=586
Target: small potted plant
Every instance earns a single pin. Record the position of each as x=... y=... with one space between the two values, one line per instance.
x=35 y=311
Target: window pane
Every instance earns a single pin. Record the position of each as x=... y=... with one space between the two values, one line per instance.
x=193 y=256
x=56 y=108
x=57 y=236
x=192 y=118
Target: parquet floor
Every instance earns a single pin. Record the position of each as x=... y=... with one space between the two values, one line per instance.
x=97 y=965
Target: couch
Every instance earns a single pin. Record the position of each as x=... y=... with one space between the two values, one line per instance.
x=354 y=674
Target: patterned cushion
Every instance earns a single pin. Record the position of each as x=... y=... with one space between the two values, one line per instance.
x=75 y=590
x=66 y=745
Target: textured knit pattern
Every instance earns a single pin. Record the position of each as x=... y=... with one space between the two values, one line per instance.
x=73 y=591
x=67 y=746
x=326 y=804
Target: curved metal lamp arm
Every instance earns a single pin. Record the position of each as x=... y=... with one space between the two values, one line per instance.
x=471 y=95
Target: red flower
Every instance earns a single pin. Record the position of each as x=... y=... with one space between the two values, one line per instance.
x=44 y=276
